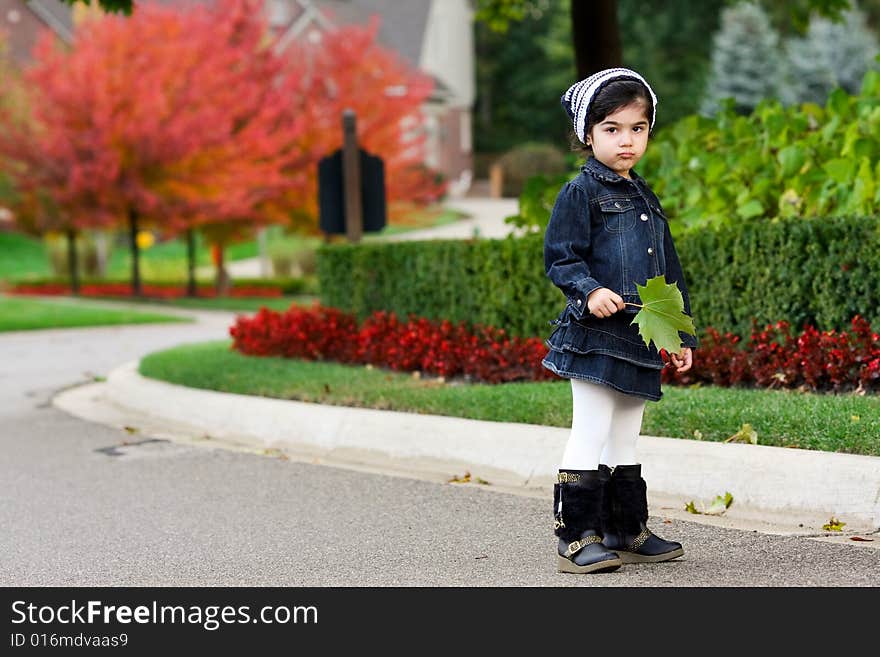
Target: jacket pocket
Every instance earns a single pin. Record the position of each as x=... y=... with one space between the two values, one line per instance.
x=618 y=214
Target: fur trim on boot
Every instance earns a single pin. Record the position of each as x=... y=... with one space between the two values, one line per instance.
x=626 y=513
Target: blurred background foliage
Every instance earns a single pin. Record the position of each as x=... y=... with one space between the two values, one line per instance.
x=523 y=70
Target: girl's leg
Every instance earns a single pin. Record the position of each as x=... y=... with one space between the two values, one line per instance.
x=626 y=423
x=591 y=421
x=579 y=494
x=626 y=532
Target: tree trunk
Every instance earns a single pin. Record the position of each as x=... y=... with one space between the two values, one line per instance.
x=223 y=283
x=72 y=261
x=596 y=36
x=136 y=288
x=191 y=263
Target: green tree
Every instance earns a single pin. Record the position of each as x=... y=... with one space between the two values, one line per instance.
x=670 y=44
x=521 y=74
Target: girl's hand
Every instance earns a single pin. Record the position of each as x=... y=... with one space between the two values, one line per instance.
x=602 y=302
x=682 y=361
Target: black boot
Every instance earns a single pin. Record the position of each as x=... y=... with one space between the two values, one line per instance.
x=577 y=507
x=626 y=512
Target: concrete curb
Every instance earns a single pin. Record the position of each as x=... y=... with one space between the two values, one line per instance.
x=773 y=479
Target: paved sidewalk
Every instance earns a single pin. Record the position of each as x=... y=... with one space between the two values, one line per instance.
x=792 y=488
x=487 y=217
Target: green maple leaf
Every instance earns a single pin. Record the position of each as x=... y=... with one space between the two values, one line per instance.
x=662 y=315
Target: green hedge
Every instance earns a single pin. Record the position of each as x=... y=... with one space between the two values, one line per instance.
x=495 y=282
x=820 y=271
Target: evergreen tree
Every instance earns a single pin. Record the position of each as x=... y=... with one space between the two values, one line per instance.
x=746 y=62
x=830 y=55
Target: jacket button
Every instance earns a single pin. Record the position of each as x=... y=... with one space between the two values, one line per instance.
x=644 y=217
x=650 y=250
x=578 y=302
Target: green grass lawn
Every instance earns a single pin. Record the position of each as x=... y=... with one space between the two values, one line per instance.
x=843 y=423
x=19 y=314
x=21 y=255
x=244 y=304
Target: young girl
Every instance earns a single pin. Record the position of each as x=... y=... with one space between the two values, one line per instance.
x=606 y=234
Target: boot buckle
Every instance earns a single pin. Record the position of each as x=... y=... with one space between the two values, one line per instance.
x=576 y=546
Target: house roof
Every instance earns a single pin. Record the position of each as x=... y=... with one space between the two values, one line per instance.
x=56 y=15
x=402 y=26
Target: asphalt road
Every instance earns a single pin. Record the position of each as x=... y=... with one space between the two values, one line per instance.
x=79 y=507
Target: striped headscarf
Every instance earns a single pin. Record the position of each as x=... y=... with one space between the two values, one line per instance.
x=579 y=96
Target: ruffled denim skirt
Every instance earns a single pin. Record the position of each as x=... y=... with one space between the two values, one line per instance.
x=620 y=374
x=608 y=351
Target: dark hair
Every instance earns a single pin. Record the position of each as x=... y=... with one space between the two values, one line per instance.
x=610 y=98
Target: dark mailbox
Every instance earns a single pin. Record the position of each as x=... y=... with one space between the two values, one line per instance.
x=331 y=196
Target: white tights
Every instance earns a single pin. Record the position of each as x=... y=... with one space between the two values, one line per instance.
x=605 y=426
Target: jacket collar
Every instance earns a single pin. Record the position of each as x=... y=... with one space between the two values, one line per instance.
x=602 y=172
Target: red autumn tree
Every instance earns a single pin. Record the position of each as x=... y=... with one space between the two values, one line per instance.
x=36 y=212
x=347 y=68
x=173 y=118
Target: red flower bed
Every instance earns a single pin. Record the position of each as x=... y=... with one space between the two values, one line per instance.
x=776 y=358
x=434 y=347
x=159 y=291
x=771 y=358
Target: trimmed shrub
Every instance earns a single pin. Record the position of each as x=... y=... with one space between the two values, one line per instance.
x=527 y=160
x=498 y=283
x=818 y=271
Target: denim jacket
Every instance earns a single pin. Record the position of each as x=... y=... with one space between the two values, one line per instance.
x=608 y=231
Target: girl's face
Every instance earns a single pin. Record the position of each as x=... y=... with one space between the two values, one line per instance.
x=620 y=140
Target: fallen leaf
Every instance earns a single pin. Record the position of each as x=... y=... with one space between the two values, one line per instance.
x=745 y=435
x=719 y=505
x=130 y=429
x=460 y=480
x=833 y=525
x=859 y=538
x=855 y=418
